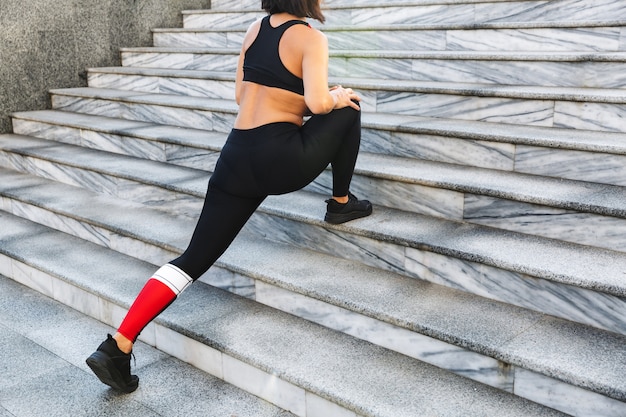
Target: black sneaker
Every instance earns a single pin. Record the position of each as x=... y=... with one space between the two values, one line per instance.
x=337 y=213
x=112 y=366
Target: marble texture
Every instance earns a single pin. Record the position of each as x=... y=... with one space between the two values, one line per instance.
x=568 y=302
x=604 y=168
x=453 y=150
x=221 y=19
x=564 y=397
x=536 y=40
x=546 y=11
x=230 y=281
x=545 y=72
x=160 y=113
x=234 y=4
x=590 y=116
x=173 y=38
x=179 y=85
x=175 y=58
x=568 y=225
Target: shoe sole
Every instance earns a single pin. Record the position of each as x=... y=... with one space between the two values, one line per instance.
x=338 y=218
x=105 y=370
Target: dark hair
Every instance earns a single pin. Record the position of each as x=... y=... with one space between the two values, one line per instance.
x=300 y=8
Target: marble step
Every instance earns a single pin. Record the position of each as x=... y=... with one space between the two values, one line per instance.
x=525 y=36
x=299 y=366
x=40 y=368
x=558 y=69
x=415 y=12
x=461 y=340
x=597 y=70
x=562 y=153
x=542 y=107
x=576 y=282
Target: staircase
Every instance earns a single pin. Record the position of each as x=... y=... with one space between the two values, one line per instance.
x=491 y=279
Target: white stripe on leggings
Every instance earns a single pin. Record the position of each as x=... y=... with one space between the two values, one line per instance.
x=172 y=276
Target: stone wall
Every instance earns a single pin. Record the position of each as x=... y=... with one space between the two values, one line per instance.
x=49 y=44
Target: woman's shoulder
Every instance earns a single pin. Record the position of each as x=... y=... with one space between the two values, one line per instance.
x=309 y=35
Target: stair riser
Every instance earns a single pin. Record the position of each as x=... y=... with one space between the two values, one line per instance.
x=581 y=73
x=235 y=4
x=571 y=303
x=218 y=121
x=457 y=13
x=601 y=231
x=190 y=157
x=523 y=39
x=422 y=347
x=515 y=111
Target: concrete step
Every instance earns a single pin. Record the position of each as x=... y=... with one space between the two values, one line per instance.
x=536 y=205
x=41 y=368
x=308 y=370
x=575 y=282
x=561 y=153
x=514 y=36
x=367 y=13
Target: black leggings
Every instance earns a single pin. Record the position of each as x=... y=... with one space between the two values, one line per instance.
x=272 y=159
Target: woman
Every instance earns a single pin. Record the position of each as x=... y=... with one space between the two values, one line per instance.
x=282 y=76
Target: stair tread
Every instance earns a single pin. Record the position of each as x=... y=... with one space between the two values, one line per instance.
x=307 y=355
x=37 y=327
x=568 y=263
x=488 y=327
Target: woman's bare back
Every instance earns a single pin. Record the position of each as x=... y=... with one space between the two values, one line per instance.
x=259 y=104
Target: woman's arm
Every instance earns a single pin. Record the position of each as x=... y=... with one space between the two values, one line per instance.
x=317 y=96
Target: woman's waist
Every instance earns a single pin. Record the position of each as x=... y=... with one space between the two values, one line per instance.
x=263 y=133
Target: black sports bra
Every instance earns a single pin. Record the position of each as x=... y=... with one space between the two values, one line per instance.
x=262 y=64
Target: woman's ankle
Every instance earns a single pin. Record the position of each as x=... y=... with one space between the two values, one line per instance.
x=341 y=200
x=123 y=343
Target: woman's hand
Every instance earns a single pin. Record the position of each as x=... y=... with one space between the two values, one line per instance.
x=344 y=97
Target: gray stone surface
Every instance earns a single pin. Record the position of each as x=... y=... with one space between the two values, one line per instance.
x=50 y=44
x=44 y=373
x=317 y=359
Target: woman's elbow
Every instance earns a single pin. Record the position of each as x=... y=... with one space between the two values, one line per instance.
x=321 y=106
